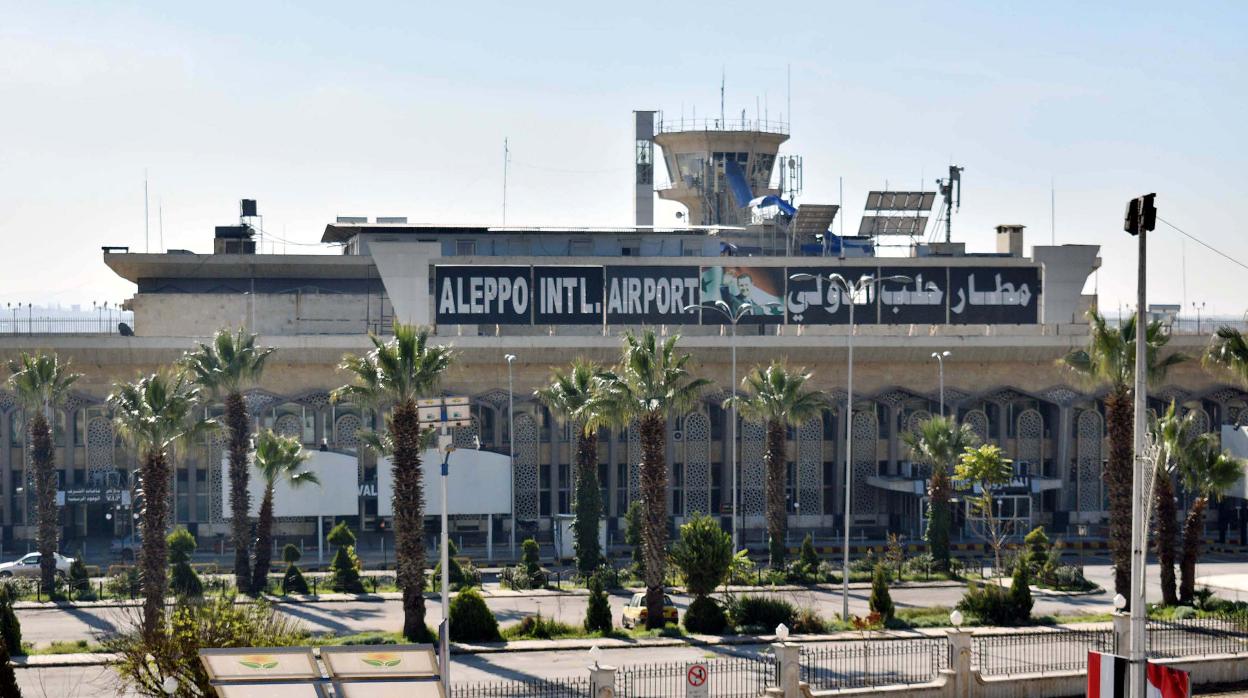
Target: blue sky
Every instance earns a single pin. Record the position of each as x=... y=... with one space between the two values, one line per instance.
x=329 y=109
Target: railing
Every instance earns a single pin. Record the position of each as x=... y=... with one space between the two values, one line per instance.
x=1038 y=652
x=1198 y=636
x=730 y=677
x=716 y=124
x=572 y=687
x=25 y=324
x=874 y=663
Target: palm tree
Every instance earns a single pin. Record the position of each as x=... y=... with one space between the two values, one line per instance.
x=277 y=457
x=1207 y=472
x=399 y=372
x=939 y=442
x=651 y=383
x=1173 y=434
x=1228 y=350
x=154 y=413
x=1109 y=359
x=41 y=383
x=777 y=396
x=576 y=397
x=225 y=368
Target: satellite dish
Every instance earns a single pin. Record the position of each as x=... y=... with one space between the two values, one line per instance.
x=124 y=330
x=680 y=214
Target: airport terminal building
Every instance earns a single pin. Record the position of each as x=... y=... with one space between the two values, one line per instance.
x=548 y=295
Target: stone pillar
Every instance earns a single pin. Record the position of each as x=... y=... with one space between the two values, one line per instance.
x=891 y=412
x=961 y=680
x=788 y=657
x=1122 y=633
x=601 y=681
x=6 y=467
x=1061 y=464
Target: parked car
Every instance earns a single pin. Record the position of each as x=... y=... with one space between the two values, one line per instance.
x=28 y=566
x=635 y=612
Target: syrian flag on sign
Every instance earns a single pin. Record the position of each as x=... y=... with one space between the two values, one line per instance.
x=1108 y=678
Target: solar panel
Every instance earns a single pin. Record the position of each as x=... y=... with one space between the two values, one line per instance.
x=814 y=219
x=900 y=200
x=892 y=225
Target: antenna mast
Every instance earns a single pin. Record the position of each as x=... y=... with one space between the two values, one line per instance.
x=952 y=199
x=722 y=78
x=506 y=159
x=146 y=216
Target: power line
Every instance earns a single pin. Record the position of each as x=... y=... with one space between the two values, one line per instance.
x=1204 y=244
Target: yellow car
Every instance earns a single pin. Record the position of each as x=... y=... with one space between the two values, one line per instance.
x=635 y=612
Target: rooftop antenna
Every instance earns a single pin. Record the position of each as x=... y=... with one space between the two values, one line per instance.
x=506 y=160
x=952 y=199
x=160 y=222
x=788 y=99
x=146 y=216
x=1052 y=212
x=722 y=79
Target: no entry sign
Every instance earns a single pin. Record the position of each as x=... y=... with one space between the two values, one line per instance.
x=697 y=681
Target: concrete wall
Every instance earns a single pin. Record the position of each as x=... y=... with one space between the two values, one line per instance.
x=195 y=314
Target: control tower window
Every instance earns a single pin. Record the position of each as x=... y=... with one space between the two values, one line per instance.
x=689 y=168
x=465 y=248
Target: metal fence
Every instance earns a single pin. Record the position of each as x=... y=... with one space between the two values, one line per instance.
x=20 y=323
x=878 y=662
x=1038 y=652
x=573 y=687
x=729 y=677
x=1196 y=637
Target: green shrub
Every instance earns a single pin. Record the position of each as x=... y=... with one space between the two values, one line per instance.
x=703 y=554
x=79 y=580
x=881 y=601
x=471 y=620
x=345 y=567
x=742 y=570
x=994 y=604
x=866 y=563
x=8 y=679
x=183 y=581
x=293 y=581
x=598 y=612
x=762 y=613
x=809 y=622
x=1183 y=613
x=1020 y=593
x=1037 y=550
x=531 y=556
x=537 y=628
x=125 y=584
x=10 y=626
x=291 y=553
x=1069 y=578
x=461 y=575
x=705 y=616
x=920 y=564
x=189 y=627
x=808 y=556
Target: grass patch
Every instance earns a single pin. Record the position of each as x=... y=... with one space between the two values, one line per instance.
x=66 y=647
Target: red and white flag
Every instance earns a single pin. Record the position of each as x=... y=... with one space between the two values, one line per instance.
x=1108 y=677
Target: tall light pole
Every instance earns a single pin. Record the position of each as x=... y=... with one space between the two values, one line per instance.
x=940 y=359
x=448 y=448
x=511 y=448
x=733 y=317
x=1198 y=307
x=851 y=290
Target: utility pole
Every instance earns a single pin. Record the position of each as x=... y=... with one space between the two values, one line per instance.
x=1140 y=219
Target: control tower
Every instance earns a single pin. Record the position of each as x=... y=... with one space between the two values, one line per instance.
x=717 y=166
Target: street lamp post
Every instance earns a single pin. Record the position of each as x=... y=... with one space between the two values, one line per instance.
x=448 y=448
x=511 y=448
x=733 y=317
x=851 y=290
x=1198 y=307
x=940 y=359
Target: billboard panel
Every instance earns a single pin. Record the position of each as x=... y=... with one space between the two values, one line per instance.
x=818 y=302
x=761 y=287
x=994 y=295
x=923 y=300
x=471 y=295
x=651 y=295
x=567 y=295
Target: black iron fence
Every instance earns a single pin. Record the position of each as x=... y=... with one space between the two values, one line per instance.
x=1039 y=651
x=728 y=677
x=1195 y=637
x=573 y=687
x=876 y=662
x=21 y=323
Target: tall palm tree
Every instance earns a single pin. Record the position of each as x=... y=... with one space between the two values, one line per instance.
x=939 y=442
x=398 y=372
x=277 y=457
x=651 y=383
x=41 y=383
x=777 y=396
x=226 y=367
x=1228 y=350
x=153 y=414
x=576 y=397
x=1109 y=359
x=1207 y=472
x=1173 y=433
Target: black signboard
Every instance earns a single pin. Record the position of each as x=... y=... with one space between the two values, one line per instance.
x=920 y=300
x=651 y=295
x=818 y=302
x=567 y=295
x=470 y=295
x=994 y=295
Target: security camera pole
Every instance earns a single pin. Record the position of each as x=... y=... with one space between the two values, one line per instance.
x=1140 y=219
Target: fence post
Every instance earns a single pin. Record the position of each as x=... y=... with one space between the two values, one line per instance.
x=788 y=660
x=601 y=681
x=1122 y=632
x=960 y=649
